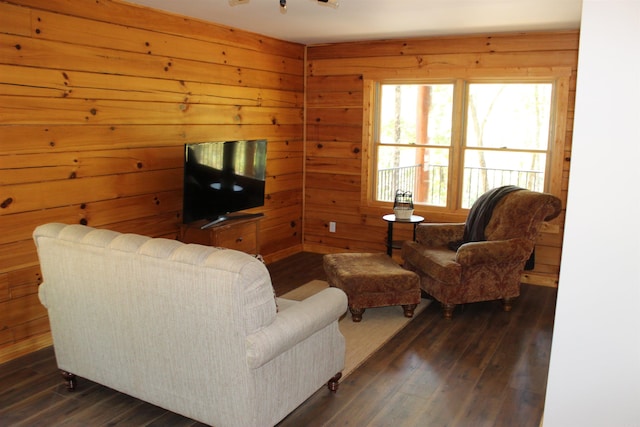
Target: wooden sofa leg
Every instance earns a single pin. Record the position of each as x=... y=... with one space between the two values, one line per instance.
x=356 y=313
x=447 y=311
x=409 y=309
x=507 y=304
x=333 y=382
x=70 y=380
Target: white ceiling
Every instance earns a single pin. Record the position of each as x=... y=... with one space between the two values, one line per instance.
x=311 y=22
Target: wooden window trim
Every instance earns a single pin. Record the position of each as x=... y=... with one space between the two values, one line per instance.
x=559 y=75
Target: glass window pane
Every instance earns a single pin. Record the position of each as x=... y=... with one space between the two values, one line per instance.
x=416 y=114
x=505 y=137
x=484 y=170
x=423 y=171
x=512 y=115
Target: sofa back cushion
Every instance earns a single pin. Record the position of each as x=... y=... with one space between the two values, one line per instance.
x=229 y=285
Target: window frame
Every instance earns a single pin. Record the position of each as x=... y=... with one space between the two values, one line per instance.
x=559 y=77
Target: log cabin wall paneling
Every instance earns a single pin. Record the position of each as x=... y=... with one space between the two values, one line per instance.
x=337 y=131
x=97 y=99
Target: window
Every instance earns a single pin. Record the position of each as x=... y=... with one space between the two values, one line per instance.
x=449 y=142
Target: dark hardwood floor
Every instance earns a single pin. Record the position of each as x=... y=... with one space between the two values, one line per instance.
x=483 y=368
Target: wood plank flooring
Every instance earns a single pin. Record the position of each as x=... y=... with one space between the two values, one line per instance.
x=483 y=368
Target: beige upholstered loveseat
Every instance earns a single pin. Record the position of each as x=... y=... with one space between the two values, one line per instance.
x=190 y=328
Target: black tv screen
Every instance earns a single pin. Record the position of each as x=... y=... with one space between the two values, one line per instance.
x=223 y=177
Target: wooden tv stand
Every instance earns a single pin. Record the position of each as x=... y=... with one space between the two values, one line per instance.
x=241 y=234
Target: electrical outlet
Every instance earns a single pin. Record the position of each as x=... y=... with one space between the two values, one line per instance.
x=332 y=227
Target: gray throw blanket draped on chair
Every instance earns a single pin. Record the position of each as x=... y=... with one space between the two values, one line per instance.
x=481 y=211
x=480 y=215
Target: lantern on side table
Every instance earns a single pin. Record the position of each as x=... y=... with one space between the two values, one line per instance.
x=403 y=205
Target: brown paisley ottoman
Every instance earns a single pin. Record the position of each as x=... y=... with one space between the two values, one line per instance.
x=372 y=280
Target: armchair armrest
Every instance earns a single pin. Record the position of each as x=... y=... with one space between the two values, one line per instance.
x=294 y=325
x=439 y=234
x=494 y=251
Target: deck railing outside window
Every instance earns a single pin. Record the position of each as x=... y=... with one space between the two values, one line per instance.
x=392 y=179
x=480 y=180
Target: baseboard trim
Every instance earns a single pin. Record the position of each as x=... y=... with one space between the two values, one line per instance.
x=284 y=253
x=24 y=347
x=323 y=249
x=533 y=278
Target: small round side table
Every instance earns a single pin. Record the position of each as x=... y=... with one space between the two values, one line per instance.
x=391 y=219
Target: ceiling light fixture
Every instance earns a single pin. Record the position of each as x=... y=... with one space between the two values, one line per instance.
x=332 y=3
x=283 y=3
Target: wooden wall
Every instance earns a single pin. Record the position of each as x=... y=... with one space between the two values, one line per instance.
x=338 y=104
x=97 y=99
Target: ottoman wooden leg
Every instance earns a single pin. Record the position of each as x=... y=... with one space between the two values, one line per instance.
x=408 y=309
x=356 y=313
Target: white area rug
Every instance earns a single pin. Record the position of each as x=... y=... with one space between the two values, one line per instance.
x=378 y=325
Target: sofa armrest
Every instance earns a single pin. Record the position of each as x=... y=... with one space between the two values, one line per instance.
x=439 y=234
x=294 y=325
x=494 y=251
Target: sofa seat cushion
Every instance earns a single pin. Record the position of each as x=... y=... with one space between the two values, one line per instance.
x=436 y=262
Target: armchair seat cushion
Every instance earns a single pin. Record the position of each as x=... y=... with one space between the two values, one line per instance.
x=440 y=262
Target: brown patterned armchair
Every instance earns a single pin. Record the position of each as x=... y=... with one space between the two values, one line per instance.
x=482 y=259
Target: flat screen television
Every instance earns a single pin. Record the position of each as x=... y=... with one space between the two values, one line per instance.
x=221 y=178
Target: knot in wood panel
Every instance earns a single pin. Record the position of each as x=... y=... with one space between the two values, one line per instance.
x=6 y=203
